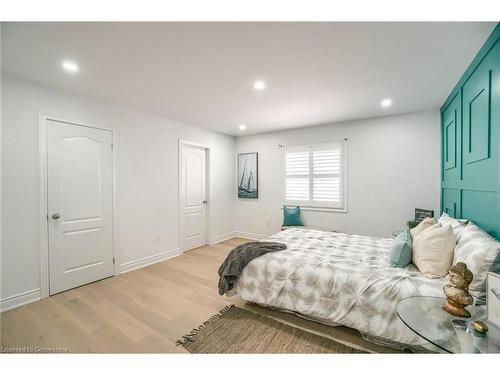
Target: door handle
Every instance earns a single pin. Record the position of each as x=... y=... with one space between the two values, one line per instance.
x=205 y=202
x=56 y=216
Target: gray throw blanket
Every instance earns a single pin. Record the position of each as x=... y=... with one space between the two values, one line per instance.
x=239 y=257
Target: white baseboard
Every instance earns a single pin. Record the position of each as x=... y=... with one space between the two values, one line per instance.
x=228 y=236
x=222 y=237
x=147 y=261
x=250 y=236
x=20 y=299
x=30 y=296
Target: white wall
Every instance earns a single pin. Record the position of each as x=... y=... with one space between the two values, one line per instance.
x=146 y=177
x=1 y=132
x=393 y=167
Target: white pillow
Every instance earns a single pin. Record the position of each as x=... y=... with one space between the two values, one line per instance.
x=480 y=252
x=423 y=225
x=458 y=226
x=433 y=250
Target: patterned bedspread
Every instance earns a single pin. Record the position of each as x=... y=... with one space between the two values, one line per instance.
x=337 y=279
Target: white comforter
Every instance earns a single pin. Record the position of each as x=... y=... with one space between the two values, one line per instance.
x=338 y=279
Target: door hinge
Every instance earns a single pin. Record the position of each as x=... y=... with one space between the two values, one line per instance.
x=113 y=260
x=112 y=147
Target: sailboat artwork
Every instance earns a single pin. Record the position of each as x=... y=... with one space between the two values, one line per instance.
x=247 y=175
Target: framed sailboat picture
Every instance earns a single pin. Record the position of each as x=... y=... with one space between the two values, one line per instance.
x=248 y=175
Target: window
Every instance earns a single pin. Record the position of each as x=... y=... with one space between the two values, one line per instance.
x=314 y=176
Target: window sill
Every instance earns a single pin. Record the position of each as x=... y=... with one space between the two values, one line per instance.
x=320 y=209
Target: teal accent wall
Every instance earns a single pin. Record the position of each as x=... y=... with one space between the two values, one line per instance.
x=470 y=142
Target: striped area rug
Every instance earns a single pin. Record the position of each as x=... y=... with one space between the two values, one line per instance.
x=235 y=330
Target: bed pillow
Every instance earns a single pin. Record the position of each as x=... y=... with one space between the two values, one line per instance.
x=480 y=252
x=401 y=250
x=291 y=217
x=433 y=250
x=424 y=224
x=458 y=226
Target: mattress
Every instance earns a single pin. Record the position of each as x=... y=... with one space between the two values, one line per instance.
x=338 y=279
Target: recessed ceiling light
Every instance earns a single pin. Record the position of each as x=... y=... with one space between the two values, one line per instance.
x=259 y=85
x=70 y=66
x=386 y=103
x=242 y=126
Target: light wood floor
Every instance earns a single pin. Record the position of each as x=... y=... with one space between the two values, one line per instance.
x=145 y=310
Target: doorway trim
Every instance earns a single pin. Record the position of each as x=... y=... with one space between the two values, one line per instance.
x=43 y=204
x=208 y=172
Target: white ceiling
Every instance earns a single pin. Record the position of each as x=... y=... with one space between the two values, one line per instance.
x=202 y=73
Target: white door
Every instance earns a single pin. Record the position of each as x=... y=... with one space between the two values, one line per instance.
x=193 y=197
x=79 y=203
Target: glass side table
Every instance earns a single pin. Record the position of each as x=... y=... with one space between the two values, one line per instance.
x=425 y=317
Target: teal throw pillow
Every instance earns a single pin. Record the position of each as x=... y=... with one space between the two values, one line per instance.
x=291 y=217
x=401 y=250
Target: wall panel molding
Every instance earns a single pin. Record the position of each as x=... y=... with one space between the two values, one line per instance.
x=470 y=166
x=450 y=142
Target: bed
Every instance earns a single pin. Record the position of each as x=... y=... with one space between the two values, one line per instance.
x=338 y=279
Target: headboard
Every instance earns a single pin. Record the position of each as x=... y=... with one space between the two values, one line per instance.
x=470 y=142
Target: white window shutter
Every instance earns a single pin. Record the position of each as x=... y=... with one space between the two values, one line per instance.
x=314 y=175
x=297 y=176
x=326 y=174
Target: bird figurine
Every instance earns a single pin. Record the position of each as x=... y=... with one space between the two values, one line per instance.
x=457 y=291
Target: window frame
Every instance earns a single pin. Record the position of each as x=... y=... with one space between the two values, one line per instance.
x=311 y=205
